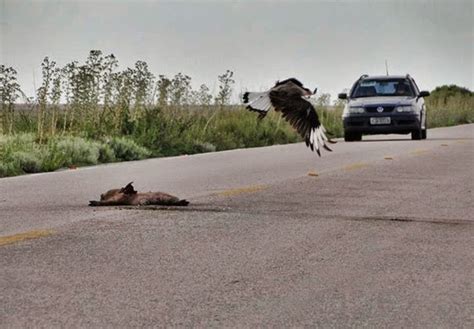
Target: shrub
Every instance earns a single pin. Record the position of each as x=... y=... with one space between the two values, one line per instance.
x=52 y=156
x=9 y=169
x=450 y=105
x=106 y=153
x=126 y=149
x=19 y=154
x=203 y=147
x=28 y=162
x=78 y=151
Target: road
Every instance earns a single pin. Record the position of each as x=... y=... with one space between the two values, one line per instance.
x=377 y=233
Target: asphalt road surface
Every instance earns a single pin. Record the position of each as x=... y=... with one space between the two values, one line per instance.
x=376 y=234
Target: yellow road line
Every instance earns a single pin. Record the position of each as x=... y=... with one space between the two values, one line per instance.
x=355 y=166
x=247 y=189
x=9 y=239
x=419 y=152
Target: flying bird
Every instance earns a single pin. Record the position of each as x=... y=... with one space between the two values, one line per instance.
x=290 y=98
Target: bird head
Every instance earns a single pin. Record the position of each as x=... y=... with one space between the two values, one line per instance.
x=307 y=92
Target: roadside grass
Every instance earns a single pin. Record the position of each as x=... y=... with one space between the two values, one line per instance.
x=455 y=110
x=21 y=154
x=177 y=130
x=89 y=113
x=159 y=132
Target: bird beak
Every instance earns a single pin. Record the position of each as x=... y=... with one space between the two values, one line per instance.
x=315 y=91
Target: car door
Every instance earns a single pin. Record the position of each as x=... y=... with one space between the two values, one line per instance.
x=420 y=104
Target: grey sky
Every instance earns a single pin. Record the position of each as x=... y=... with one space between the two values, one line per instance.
x=323 y=43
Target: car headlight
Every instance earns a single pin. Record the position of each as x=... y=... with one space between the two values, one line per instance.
x=404 y=109
x=355 y=109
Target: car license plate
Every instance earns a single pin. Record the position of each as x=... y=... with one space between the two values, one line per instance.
x=380 y=121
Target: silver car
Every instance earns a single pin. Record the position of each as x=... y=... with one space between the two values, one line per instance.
x=384 y=105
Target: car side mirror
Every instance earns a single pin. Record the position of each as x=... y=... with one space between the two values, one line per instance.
x=342 y=96
x=424 y=93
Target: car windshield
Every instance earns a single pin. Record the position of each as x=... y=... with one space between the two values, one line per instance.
x=382 y=87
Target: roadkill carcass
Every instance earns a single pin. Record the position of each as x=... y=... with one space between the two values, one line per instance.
x=127 y=196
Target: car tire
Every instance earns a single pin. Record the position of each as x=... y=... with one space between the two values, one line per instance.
x=424 y=131
x=417 y=134
x=352 y=137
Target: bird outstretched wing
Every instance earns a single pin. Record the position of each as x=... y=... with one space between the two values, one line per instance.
x=288 y=97
x=258 y=102
x=303 y=117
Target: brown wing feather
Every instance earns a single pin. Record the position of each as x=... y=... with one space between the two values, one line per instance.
x=300 y=114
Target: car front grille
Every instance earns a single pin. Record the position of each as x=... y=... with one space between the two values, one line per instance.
x=406 y=122
x=356 y=123
x=373 y=109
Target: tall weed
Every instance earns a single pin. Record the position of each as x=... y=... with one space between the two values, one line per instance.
x=91 y=113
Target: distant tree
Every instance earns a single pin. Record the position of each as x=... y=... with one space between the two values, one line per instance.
x=442 y=94
x=339 y=103
x=225 y=88
x=48 y=70
x=54 y=98
x=110 y=64
x=163 y=88
x=143 y=81
x=202 y=96
x=95 y=68
x=9 y=90
x=180 y=89
x=324 y=100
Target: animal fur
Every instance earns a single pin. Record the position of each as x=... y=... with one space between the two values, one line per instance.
x=127 y=196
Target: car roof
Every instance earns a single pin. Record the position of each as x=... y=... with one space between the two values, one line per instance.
x=384 y=77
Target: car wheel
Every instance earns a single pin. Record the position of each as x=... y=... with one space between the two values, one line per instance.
x=348 y=137
x=352 y=137
x=423 y=131
x=417 y=134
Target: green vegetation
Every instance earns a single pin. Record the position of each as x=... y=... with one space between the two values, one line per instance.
x=21 y=153
x=158 y=133
x=449 y=106
x=90 y=113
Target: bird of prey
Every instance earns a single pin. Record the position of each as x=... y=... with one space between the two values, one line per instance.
x=290 y=98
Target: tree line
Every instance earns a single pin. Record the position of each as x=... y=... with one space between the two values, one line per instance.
x=95 y=96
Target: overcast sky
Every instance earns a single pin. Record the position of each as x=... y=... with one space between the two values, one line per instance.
x=327 y=44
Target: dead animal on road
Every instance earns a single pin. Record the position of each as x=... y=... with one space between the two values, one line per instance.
x=127 y=196
x=290 y=98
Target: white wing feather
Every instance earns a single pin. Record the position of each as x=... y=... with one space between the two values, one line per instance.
x=258 y=101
